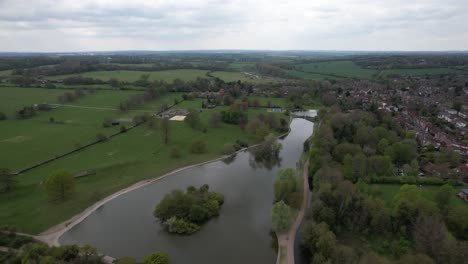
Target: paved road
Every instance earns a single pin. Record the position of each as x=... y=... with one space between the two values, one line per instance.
x=286 y=240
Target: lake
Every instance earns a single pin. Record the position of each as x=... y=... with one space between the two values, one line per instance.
x=126 y=226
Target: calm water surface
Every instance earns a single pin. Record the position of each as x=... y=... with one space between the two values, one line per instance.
x=125 y=226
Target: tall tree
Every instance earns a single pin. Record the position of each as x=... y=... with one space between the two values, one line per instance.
x=165 y=127
x=457 y=106
x=7 y=181
x=59 y=185
x=281 y=216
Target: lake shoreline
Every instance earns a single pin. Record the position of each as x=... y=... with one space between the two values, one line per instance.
x=52 y=235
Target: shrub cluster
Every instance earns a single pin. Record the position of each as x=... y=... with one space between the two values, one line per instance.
x=183 y=213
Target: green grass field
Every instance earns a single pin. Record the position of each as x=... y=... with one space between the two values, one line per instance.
x=310 y=76
x=242 y=67
x=119 y=162
x=131 y=76
x=5 y=73
x=337 y=68
x=387 y=192
x=12 y=98
x=235 y=76
x=26 y=142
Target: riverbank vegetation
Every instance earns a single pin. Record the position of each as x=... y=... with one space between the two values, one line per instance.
x=352 y=220
x=184 y=213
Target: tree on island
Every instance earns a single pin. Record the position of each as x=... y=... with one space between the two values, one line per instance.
x=183 y=213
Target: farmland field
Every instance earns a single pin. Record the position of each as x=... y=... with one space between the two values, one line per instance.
x=242 y=67
x=309 y=75
x=338 y=68
x=131 y=76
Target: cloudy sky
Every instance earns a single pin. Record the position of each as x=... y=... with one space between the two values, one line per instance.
x=99 y=25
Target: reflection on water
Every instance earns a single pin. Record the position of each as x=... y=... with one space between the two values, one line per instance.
x=125 y=226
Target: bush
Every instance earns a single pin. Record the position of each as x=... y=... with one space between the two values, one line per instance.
x=107 y=122
x=44 y=107
x=2 y=116
x=157 y=258
x=242 y=143
x=175 y=153
x=198 y=147
x=229 y=149
x=101 y=137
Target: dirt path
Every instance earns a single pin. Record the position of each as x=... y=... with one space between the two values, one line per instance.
x=286 y=240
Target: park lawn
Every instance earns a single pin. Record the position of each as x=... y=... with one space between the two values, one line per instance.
x=119 y=162
x=131 y=76
x=27 y=142
x=338 y=68
x=104 y=99
x=242 y=66
x=387 y=192
x=5 y=73
x=196 y=103
x=428 y=71
x=166 y=99
x=235 y=76
x=14 y=98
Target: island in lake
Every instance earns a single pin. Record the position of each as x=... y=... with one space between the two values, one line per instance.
x=184 y=213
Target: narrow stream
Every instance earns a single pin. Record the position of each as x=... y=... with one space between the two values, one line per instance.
x=125 y=226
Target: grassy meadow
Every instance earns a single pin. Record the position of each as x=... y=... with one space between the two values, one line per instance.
x=28 y=141
x=387 y=192
x=119 y=162
x=131 y=76
x=337 y=68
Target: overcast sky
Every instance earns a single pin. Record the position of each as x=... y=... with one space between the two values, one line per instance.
x=103 y=25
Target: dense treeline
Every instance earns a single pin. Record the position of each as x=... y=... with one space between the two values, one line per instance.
x=74 y=67
x=349 y=150
x=140 y=99
x=7 y=63
x=270 y=69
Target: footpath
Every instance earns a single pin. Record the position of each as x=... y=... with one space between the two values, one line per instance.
x=286 y=240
